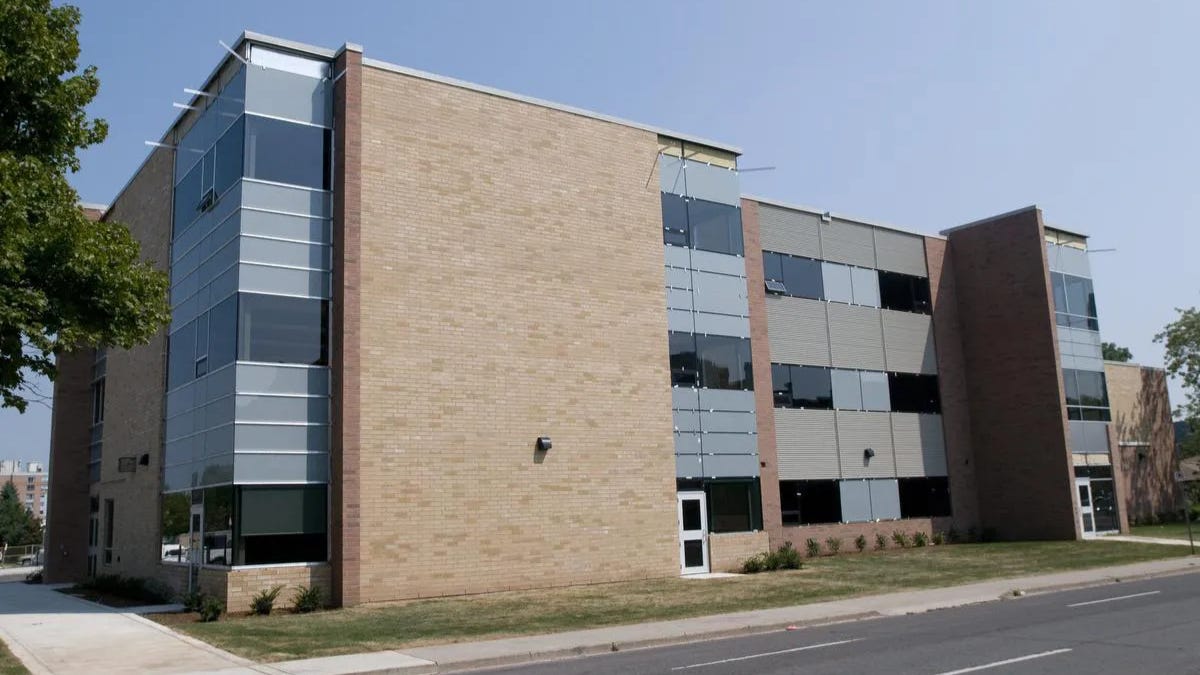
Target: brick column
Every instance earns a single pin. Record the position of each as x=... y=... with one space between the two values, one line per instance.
x=70 y=434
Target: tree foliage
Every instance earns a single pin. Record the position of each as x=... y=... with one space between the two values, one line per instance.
x=1181 y=338
x=18 y=526
x=64 y=281
x=1111 y=352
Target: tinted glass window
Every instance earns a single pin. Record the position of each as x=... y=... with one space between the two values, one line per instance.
x=181 y=359
x=277 y=329
x=731 y=506
x=724 y=362
x=772 y=266
x=914 y=393
x=904 y=292
x=281 y=525
x=283 y=152
x=807 y=502
x=924 y=497
x=811 y=387
x=802 y=277
x=715 y=227
x=675 y=227
x=187 y=198
x=685 y=370
x=222 y=333
x=1059 y=285
x=1092 y=391
x=1095 y=414
x=229 y=157
x=1069 y=386
x=1080 y=298
x=781 y=385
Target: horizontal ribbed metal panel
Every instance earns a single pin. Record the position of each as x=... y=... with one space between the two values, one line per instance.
x=920 y=445
x=858 y=431
x=797 y=332
x=786 y=231
x=806 y=444
x=849 y=243
x=855 y=337
x=900 y=252
x=908 y=342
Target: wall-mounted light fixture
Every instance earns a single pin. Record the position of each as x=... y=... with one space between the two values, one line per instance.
x=543 y=443
x=868 y=454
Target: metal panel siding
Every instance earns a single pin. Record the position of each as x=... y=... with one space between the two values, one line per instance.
x=1068 y=361
x=263 y=468
x=1089 y=437
x=713 y=183
x=729 y=466
x=287 y=199
x=791 y=232
x=885 y=499
x=686 y=420
x=847 y=389
x=797 y=331
x=727 y=399
x=670 y=175
x=837 y=282
x=900 y=252
x=280 y=409
x=858 y=431
x=681 y=320
x=849 y=243
x=866 y=286
x=856 y=501
x=679 y=278
x=677 y=256
x=875 y=394
x=685 y=398
x=688 y=466
x=289 y=253
x=1074 y=261
x=288 y=95
x=908 y=342
x=729 y=444
x=284 y=226
x=281 y=437
x=687 y=443
x=263 y=379
x=806 y=444
x=679 y=299
x=920 y=445
x=718 y=263
x=282 y=281
x=721 y=324
x=933 y=445
x=720 y=293
x=741 y=422
x=856 y=339
x=1089 y=363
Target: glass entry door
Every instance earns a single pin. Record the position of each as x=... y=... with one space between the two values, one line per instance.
x=693 y=533
x=1088 y=521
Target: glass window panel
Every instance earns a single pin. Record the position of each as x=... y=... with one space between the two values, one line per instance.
x=715 y=227
x=282 y=510
x=811 y=387
x=283 y=152
x=279 y=329
x=691 y=515
x=781 y=385
x=802 y=277
x=1095 y=414
x=730 y=506
x=895 y=291
x=1074 y=414
x=181 y=356
x=187 y=198
x=914 y=393
x=808 y=502
x=724 y=362
x=222 y=333
x=675 y=220
x=1070 y=386
x=1080 y=298
x=218 y=526
x=685 y=369
x=924 y=497
x=922 y=298
x=693 y=553
x=772 y=266
x=1091 y=388
x=230 y=154
x=1059 y=285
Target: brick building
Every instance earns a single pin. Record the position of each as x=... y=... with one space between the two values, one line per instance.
x=31 y=482
x=433 y=338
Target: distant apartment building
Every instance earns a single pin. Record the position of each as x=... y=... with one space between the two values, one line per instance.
x=433 y=338
x=31 y=481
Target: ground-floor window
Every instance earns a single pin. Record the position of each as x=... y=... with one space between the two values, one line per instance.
x=815 y=502
x=734 y=504
x=927 y=497
x=809 y=502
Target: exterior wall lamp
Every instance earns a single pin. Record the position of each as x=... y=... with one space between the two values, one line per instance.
x=543 y=443
x=868 y=454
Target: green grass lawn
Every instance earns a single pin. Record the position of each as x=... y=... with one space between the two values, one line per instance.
x=1166 y=531
x=364 y=629
x=9 y=665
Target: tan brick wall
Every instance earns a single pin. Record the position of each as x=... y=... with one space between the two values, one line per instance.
x=133 y=407
x=512 y=287
x=1141 y=413
x=244 y=584
x=727 y=551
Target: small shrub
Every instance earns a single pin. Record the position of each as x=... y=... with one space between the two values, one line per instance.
x=901 y=539
x=192 y=601
x=211 y=608
x=149 y=591
x=264 y=601
x=34 y=577
x=920 y=539
x=939 y=538
x=880 y=542
x=834 y=545
x=786 y=558
x=860 y=543
x=755 y=564
x=307 y=599
x=812 y=547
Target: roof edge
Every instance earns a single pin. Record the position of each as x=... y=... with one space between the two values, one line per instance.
x=840 y=216
x=982 y=221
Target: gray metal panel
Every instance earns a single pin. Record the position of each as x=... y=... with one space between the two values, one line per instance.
x=281 y=437
x=286 y=199
x=288 y=95
x=283 y=281
x=685 y=398
x=727 y=399
x=720 y=293
x=282 y=409
x=670 y=175
x=866 y=286
x=908 y=342
x=875 y=391
x=729 y=466
x=727 y=421
x=722 y=324
x=786 y=231
x=1065 y=346
x=836 y=281
x=677 y=256
x=1068 y=361
x=806 y=444
x=679 y=278
x=900 y=252
x=1089 y=437
x=289 y=253
x=681 y=320
x=885 y=499
x=719 y=263
x=1075 y=429
x=714 y=183
x=849 y=243
x=729 y=444
x=1074 y=261
x=285 y=226
x=281 y=468
x=688 y=466
x=687 y=444
x=858 y=431
x=679 y=299
x=856 y=501
x=686 y=420
x=797 y=331
x=847 y=389
x=855 y=337
x=920 y=445
x=1089 y=363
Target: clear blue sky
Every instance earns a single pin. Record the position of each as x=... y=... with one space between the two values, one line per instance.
x=921 y=114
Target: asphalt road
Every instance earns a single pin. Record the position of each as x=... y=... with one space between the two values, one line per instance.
x=1136 y=628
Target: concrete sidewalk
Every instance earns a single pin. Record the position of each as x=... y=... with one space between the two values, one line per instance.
x=1166 y=541
x=465 y=656
x=51 y=632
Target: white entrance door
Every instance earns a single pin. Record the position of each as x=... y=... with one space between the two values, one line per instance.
x=693 y=533
x=1087 y=516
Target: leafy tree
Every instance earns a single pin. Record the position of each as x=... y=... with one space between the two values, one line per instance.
x=1181 y=338
x=64 y=281
x=1112 y=352
x=17 y=525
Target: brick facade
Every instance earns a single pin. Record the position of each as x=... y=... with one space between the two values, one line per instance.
x=70 y=433
x=1014 y=388
x=727 y=551
x=1143 y=440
